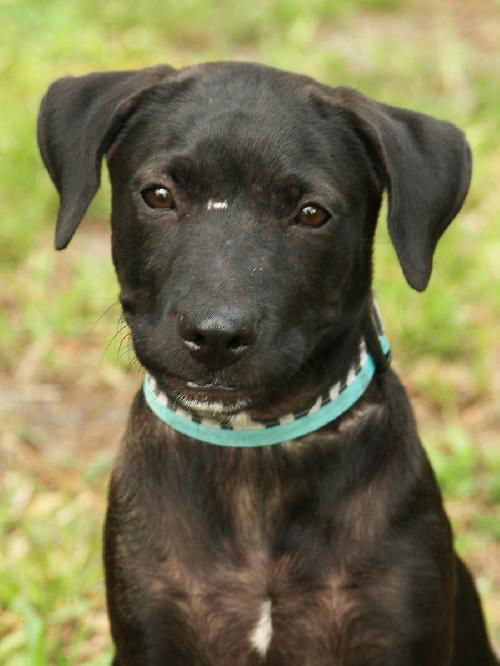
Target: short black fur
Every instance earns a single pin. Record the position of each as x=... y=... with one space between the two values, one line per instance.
x=339 y=539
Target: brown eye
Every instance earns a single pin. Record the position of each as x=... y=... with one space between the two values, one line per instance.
x=312 y=215
x=158 y=197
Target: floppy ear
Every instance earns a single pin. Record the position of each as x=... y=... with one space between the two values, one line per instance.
x=79 y=118
x=426 y=166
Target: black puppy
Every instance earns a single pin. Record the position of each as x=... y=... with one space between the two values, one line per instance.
x=272 y=503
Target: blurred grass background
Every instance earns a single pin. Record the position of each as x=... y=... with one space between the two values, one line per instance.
x=66 y=375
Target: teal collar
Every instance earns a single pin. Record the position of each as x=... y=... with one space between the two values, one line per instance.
x=240 y=430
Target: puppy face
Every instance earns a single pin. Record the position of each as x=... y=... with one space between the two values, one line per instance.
x=244 y=206
x=242 y=231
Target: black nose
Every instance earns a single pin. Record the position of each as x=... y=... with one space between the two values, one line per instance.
x=218 y=337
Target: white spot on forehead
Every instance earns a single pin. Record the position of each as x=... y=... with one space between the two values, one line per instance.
x=217 y=205
x=261 y=636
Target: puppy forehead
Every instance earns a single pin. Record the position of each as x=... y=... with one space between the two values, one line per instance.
x=232 y=122
x=219 y=113
x=227 y=100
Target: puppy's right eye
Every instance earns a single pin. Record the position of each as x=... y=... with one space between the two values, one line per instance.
x=158 y=197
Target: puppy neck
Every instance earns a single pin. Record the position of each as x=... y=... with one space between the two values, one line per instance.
x=244 y=429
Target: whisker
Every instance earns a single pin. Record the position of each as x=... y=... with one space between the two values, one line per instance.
x=88 y=333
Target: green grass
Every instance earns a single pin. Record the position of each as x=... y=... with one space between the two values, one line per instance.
x=51 y=581
x=56 y=310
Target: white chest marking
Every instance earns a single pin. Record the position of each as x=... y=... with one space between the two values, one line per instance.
x=217 y=205
x=261 y=635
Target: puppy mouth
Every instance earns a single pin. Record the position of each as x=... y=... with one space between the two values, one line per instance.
x=207 y=398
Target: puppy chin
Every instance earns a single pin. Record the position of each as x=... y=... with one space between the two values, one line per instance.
x=207 y=407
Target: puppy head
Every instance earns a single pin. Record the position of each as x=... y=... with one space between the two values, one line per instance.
x=245 y=201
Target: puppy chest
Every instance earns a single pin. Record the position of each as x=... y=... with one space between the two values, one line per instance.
x=266 y=612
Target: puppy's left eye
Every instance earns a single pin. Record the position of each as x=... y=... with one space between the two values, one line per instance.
x=312 y=215
x=158 y=197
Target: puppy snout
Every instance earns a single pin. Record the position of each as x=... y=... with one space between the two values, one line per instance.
x=218 y=337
